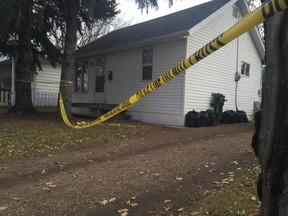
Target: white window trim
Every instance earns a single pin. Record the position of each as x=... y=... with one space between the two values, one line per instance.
x=148 y=64
x=246 y=72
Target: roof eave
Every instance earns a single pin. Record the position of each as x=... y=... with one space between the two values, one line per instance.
x=154 y=40
x=253 y=31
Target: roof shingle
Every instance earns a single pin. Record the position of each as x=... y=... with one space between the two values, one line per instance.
x=169 y=24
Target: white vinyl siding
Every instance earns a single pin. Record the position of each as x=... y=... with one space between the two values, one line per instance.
x=48 y=79
x=45 y=85
x=163 y=106
x=215 y=74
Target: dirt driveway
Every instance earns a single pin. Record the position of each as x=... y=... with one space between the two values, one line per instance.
x=142 y=175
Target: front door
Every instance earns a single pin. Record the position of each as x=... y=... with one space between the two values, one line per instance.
x=99 y=96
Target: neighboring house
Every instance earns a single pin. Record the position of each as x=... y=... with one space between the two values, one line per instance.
x=45 y=84
x=119 y=64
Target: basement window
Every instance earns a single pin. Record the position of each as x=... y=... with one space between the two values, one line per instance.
x=245 y=68
x=147 y=67
x=81 y=76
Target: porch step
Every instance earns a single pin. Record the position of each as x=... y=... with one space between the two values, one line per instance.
x=101 y=109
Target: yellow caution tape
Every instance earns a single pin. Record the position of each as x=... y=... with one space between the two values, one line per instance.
x=46 y=82
x=252 y=19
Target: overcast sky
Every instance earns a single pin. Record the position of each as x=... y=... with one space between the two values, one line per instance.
x=131 y=12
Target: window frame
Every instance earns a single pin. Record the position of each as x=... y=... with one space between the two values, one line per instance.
x=81 y=76
x=147 y=64
x=245 y=69
x=100 y=75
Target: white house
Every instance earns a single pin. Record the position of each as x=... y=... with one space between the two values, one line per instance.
x=45 y=84
x=112 y=68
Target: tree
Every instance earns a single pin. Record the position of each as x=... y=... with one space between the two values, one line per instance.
x=98 y=29
x=273 y=141
x=22 y=22
x=75 y=10
x=23 y=67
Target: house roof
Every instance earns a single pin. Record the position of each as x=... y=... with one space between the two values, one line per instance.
x=169 y=26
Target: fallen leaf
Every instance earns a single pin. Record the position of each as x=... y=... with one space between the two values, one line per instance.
x=3 y=208
x=124 y=214
x=49 y=183
x=225 y=181
x=166 y=201
x=231 y=179
x=166 y=208
x=16 y=198
x=45 y=188
x=112 y=200
x=103 y=202
x=179 y=178
x=133 y=204
x=156 y=174
x=253 y=198
x=43 y=171
x=123 y=210
x=180 y=209
x=234 y=162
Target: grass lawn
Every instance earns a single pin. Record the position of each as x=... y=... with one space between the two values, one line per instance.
x=237 y=198
x=27 y=135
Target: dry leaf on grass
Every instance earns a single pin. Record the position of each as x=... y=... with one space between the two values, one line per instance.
x=105 y=202
x=2 y=208
x=123 y=210
x=16 y=198
x=180 y=209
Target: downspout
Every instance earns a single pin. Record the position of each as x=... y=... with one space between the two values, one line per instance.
x=185 y=81
x=237 y=75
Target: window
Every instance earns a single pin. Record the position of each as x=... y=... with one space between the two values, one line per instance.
x=147 y=68
x=100 y=79
x=82 y=76
x=245 y=68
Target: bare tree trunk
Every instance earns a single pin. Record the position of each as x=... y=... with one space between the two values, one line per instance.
x=24 y=70
x=67 y=75
x=273 y=140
